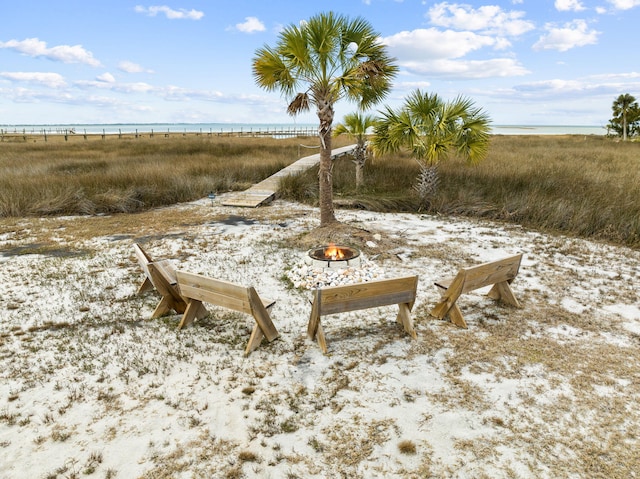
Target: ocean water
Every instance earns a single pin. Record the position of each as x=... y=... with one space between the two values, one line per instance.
x=128 y=128
x=548 y=130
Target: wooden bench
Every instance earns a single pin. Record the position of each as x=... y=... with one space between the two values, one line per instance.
x=341 y=299
x=198 y=289
x=161 y=275
x=498 y=273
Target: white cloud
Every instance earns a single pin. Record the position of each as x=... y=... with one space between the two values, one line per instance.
x=624 y=4
x=51 y=80
x=617 y=76
x=137 y=87
x=587 y=87
x=461 y=69
x=106 y=77
x=130 y=67
x=431 y=43
x=170 y=13
x=571 y=35
x=552 y=86
x=34 y=47
x=412 y=85
x=435 y=52
x=251 y=25
x=569 y=5
x=24 y=95
x=489 y=19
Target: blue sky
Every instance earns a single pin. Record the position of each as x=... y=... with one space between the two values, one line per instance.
x=533 y=62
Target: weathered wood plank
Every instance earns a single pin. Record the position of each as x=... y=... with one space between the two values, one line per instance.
x=341 y=299
x=198 y=289
x=498 y=273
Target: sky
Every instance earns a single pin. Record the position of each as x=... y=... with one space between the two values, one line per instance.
x=524 y=62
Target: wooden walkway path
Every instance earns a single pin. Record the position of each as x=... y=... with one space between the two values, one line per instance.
x=265 y=191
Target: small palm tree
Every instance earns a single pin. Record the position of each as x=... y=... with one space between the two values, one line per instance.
x=432 y=129
x=356 y=125
x=325 y=59
x=623 y=107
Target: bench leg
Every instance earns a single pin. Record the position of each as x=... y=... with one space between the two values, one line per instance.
x=404 y=318
x=456 y=317
x=162 y=309
x=190 y=313
x=262 y=317
x=147 y=285
x=322 y=341
x=502 y=291
x=314 y=321
x=254 y=340
x=167 y=304
x=447 y=307
x=314 y=328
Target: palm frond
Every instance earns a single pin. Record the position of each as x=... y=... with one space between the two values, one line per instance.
x=432 y=129
x=299 y=104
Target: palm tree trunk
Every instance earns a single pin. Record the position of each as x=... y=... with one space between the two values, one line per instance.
x=359 y=174
x=327 y=215
x=360 y=158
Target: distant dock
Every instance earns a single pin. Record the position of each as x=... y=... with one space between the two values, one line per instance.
x=75 y=134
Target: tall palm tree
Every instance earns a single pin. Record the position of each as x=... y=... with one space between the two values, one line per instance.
x=622 y=106
x=356 y=126
x=432 y=129
x=320 y=61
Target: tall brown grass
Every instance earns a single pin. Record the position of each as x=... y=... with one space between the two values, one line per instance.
x=583 y=186
x=588 y=187
x=577 y=185
x=128 y=175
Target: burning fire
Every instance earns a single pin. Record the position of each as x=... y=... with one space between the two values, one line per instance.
x=333 y=253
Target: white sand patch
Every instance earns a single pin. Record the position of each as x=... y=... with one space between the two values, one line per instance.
x=84 y=374
x=572 y=305
x=631 y=314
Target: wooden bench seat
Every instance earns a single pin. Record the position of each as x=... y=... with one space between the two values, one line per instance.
x=340 y=299
x=197 y=289
x=498 y=273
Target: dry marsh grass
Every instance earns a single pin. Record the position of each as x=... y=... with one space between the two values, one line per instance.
x=133 y=175
x=583 y=186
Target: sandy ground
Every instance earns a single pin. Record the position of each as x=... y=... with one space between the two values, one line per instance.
x=91 y=387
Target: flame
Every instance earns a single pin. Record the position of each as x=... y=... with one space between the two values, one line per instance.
x=333 y=253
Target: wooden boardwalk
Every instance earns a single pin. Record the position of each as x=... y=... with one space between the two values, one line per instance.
x=265 y=191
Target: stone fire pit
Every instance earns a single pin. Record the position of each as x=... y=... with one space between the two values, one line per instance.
x=333 y=265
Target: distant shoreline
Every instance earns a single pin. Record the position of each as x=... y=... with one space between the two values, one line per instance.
x=240 y=128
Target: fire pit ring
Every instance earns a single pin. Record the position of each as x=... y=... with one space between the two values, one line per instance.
x=334 y=256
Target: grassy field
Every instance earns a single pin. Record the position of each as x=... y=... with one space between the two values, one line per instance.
x=583 y=186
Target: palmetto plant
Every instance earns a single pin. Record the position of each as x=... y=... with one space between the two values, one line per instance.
x=625 y=112
x=319 y=62
x=356 y=125
x=432 y=129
